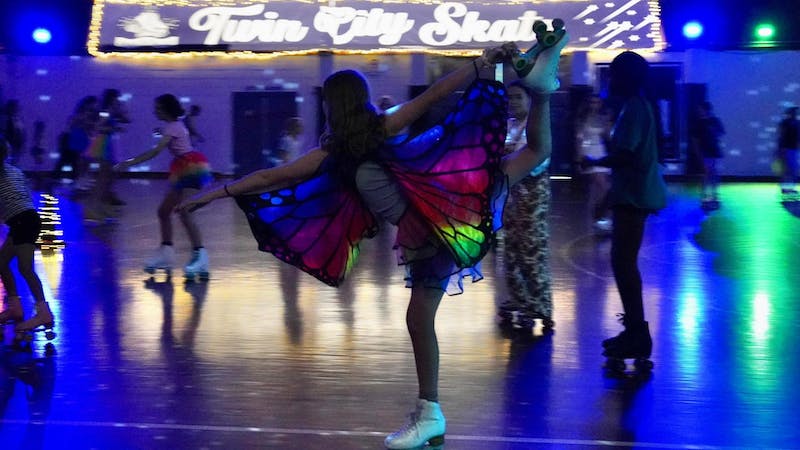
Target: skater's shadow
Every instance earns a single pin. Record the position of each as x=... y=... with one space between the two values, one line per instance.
x=198 y=292
x=792 y=206
x=166 y=291
x=292 y=316
x=36 y=372
x=529 y=358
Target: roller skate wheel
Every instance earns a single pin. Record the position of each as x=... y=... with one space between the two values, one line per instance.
x=549 y=40
x=49 y=335
x=150 y=270
x=49 y=349
x=558 y=24
x=644 y=365
x=615 y=365
x=539 y=27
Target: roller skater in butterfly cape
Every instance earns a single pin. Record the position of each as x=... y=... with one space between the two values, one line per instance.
x=444 y=189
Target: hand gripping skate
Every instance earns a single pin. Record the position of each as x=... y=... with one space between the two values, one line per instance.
x=524 y=63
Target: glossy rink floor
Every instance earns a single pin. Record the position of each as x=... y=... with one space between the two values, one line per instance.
x=262 y=356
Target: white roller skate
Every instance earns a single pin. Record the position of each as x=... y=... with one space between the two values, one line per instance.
x=164 y=258
x=197 y=266
x=538 y=67
x=425 y=425
x=42 y=321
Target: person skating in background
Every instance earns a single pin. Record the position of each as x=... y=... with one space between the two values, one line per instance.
x=788 y=144
x=592 y=129
x=24 y=224
x=637 y=190
x=523 y=243
x=705 y=132
x=14 y=130
x=190 y=120
x=291 y=141
x=189 y=172
x=101 y=150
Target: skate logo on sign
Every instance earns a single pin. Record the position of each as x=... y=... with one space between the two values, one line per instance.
x=149 y=29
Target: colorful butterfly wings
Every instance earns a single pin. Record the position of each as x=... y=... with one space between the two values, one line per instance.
x=315 y=226
x=450 y=173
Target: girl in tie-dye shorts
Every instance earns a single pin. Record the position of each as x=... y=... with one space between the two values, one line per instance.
x=188 y=173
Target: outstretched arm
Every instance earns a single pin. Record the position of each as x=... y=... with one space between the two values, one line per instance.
x=146 y=156
x=260 y=180
x=406 y=113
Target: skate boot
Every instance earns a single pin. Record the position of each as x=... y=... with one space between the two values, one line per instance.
x=633 y=343
x=507 y=317
x=538 y=67
x=425 y=425
x=42 y=320
x=12 y=312
x=610 y=341
x=164 y=258
x=198 y=266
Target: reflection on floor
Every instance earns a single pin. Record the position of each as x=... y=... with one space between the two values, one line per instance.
x=262 y=356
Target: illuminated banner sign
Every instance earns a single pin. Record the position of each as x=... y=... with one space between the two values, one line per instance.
x=246 y=27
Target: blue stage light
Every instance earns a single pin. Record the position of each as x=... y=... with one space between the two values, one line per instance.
x=42 y=35
x=693 y=29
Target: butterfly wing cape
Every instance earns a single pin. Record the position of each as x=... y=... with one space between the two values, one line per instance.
x=315 y=225
x=451 y=175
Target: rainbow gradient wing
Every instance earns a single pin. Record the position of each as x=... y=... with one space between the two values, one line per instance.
x=451 y=173
x=315 y=226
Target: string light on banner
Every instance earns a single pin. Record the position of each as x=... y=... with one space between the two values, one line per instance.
x=183 y=30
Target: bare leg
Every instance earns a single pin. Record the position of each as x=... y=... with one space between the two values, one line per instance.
x=165 y=209
x=420 y=318
x=187 y=218
x=24 y=254
x=6 y=254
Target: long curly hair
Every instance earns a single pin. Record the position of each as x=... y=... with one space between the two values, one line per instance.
x=354 y=129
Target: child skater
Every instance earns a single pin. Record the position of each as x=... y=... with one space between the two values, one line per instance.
x=24 y=224
x=444 y=189
x=188 y=173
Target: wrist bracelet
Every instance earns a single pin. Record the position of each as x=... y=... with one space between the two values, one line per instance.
x=227 y=192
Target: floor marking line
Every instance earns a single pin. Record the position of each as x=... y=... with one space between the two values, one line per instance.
x=316 y=432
